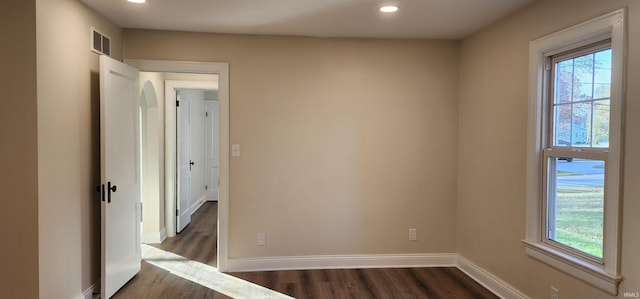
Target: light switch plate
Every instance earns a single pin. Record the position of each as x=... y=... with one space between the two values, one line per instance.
x=235 y=150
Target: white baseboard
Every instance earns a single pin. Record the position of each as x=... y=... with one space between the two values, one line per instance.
x=88 y=293
x=154 y=237
x=212 y=195
x=151 y=238
x=196 y=205
x=342 y=262
x=488 y=280
x=163 y=234
x=483 y=277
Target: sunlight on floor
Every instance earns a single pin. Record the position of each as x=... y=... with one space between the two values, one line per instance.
x=205 y=275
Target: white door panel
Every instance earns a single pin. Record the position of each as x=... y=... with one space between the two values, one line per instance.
x=120 y=175
x=184 y=163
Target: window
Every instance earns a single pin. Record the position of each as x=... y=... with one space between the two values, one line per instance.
x=574 y=150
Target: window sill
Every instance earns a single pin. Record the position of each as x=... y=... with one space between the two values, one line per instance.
x=590 y=273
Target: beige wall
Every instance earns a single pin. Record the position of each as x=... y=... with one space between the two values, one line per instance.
x=346 y=143
x=68 y=146
x=492 y=147
x=18 y=155
x=152 y=103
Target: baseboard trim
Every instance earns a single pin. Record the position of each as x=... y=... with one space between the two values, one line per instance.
x=163 y=234
x=212 y=195
x=88 y=293
x=196 y=205
x=154 y=237
x=483 y=277
x=342 y=262
x=488 y=280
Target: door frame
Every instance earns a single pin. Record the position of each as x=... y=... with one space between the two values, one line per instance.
x=222 y=70
x=170 y=87
x=210 y=125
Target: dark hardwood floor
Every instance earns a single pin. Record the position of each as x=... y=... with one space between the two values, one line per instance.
x=198 y=242
x=371 y=283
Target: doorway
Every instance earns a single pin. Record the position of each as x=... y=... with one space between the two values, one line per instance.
x=197 y=148
x=221 y=70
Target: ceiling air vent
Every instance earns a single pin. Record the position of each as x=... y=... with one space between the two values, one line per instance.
x=100 y=43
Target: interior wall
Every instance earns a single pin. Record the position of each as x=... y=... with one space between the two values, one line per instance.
x=346 y=143
x=492 y=147
x=68 y=145
x=152 y=159
x=18 y=151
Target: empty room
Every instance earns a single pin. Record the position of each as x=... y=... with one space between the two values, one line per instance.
x=320 y=149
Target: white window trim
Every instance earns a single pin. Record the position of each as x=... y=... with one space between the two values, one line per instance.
x=606 y=276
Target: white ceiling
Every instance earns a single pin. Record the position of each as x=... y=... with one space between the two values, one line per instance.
x=440 y=19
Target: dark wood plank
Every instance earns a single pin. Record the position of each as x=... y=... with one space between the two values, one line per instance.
x=155 y=283
x=371 y=283
x=198 y=241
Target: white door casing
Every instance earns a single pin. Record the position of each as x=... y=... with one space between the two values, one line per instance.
x=184 y=162
x=222 y=70
x=211 y=150
x=120 y=174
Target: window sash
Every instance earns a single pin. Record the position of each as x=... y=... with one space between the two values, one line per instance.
x=549 y=189
x=550 y=103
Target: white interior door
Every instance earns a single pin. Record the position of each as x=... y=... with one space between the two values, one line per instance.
x=212 y=151
x=120 y=174
x=184 y=163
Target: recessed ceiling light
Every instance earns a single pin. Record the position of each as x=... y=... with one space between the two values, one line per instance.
x=137 y=1
x=389 y=8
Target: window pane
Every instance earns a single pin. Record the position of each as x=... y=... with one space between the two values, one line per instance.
x=583 y=78
x=564 y=81
x=575 y=204
x=602 y=75
x=562 y=123
x=581 y=124
x=601 y=111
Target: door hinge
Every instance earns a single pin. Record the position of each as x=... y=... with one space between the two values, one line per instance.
x=177 y=103
x=141 y=214
x=206 y=187
x=206 y=114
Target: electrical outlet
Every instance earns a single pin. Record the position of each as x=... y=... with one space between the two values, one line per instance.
x=555 y=293
x=413 y=234
x=262 y=239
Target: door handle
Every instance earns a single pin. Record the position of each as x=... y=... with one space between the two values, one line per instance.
x=191 y=163
x=110 y=189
